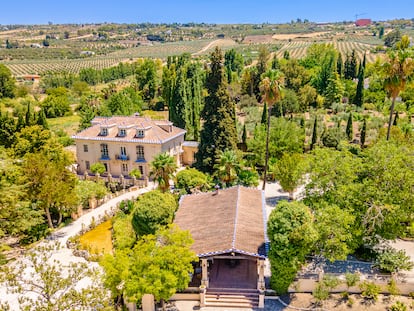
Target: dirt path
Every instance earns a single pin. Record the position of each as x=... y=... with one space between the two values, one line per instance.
x=205 y=48
x=218 y=42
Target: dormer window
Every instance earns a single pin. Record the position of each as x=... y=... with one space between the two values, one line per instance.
x=140 y=133
x=104 y=131
x=122 y=132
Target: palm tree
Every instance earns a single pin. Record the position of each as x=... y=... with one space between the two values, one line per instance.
x=162 y=169
x=270 y=87
x=398 y=69
x=227 y=166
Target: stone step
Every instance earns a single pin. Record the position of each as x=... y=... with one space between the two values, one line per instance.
x=227 y=296
x=232 y=290
x=224 y=304
x=232 y=298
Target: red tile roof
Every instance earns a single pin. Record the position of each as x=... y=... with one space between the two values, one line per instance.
x=156 y=131
x=231 y=221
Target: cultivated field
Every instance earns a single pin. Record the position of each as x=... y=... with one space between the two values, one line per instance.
x=121 y=47
x=19 y=68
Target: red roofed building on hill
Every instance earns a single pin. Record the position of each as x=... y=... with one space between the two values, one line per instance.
x=363 y=22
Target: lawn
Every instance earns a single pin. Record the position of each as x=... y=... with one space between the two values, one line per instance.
x=67 y=124
x=99 y=239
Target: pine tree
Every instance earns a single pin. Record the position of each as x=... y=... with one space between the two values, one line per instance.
x=264 y=114
x=314 y=133
x=219 y=131
x=349 y=127
x=363 y=133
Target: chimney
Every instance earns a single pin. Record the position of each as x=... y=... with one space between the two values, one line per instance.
x=216 y=192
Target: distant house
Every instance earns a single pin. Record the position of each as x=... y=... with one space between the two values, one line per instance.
x=124 y=143
x=229 y=232
x=32 y=78
x=87 y=53
x=363 y=22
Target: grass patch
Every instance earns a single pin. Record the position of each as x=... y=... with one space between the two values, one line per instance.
x=155 y=115
x=67 y=124
x=98 y=240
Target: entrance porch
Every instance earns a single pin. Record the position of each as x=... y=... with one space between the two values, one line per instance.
x=233 y=273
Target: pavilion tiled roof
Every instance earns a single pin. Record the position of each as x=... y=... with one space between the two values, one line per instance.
x=232 y=221
x=156 y=131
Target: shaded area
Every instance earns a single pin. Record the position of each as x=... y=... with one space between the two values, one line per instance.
x=233 y=273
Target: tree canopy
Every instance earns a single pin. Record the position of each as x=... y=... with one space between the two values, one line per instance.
x=152 y=210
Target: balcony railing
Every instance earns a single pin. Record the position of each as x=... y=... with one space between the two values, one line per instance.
x=105 y=157
x=122 y=157
x=140 y=160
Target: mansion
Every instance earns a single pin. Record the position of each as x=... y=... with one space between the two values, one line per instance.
x=124 y=143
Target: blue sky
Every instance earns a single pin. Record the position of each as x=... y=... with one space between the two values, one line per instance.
x=212 y=11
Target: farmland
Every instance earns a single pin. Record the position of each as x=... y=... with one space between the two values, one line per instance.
x=122 y=44
x=19 y=68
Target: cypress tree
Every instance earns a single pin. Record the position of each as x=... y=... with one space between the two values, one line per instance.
x=195 y=100
x=182 y=91
x=244 y=135
x=275 y=62
x=41 y=119
x=219 y=130
x=359 y=95
x=350 y=70
x=179 y=99
x=20 y=122
x=339 y=65
x=381 y=32
x=28 y=117
x=349 y=127
x=364 y=61
x=353 y=65
x=395 y=123
x=363 y=133
x=302 y=122
x=264 y=114
x=314 y=133
x=261 y=68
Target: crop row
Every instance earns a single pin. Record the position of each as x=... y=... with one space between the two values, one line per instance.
x=162 y=50
x=73 y=66
x=297 y=49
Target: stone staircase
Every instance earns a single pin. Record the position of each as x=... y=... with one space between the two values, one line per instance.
x=232 y=298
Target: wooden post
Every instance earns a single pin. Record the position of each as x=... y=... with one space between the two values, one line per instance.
x=148 y=302
x=204 y=272
x=202 y=296
x=261 y=299
x=260 y=278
